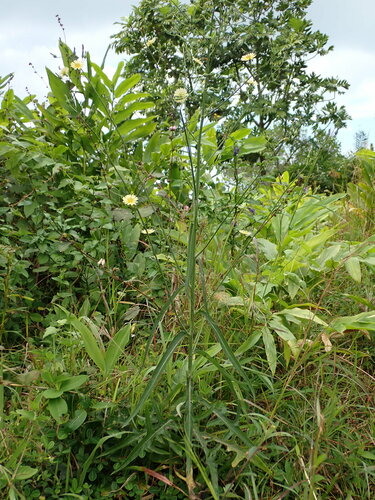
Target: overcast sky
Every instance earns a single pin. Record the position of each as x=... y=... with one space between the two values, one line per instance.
x=29 y=32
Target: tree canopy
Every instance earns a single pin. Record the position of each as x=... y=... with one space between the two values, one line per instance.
x=251 y=56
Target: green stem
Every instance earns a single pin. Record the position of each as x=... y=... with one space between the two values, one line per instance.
x=190 y=291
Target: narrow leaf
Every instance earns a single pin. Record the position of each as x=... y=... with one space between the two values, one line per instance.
x=89 y=340
x=227 y=350
x=116 y=347
x=127 y=84
x=269 y=344
x=155 y=376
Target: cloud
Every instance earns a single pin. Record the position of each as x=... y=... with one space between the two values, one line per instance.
x=16 y=53
x=357 y=66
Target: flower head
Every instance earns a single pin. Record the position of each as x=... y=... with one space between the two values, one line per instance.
x=77 y=64
x=248 y=57
x=130 y=200
x=251 y=81
x=180 y=95
x=101 y=262
x=147 y=231
x=198 y=61
x=64 y=71
x=150 y=42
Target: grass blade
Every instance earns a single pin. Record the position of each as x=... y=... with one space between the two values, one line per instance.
x=155 y=376
x=227 y=350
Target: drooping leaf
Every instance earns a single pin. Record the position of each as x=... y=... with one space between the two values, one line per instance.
x=353 y=267
x=127 y=84
x=270 y=347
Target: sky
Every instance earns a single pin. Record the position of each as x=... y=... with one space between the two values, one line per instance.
x=29 y=32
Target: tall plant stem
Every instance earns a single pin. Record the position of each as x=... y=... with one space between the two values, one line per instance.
x=190 y=291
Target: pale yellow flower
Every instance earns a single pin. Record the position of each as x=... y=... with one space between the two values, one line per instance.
x=64 y=71
x=248 y=57
x=251 y=81
x=130 y=199
x=77 y=64
x=246 y=233
x=150 y=42
x=180 y=95
x=101 y=262
x=198 y=61
x=148 y=231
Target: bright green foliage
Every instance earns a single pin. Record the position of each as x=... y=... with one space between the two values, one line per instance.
x=362 y=192
x=318 y=161
x=67 y=164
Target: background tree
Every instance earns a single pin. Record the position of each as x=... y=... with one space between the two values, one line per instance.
x=361 y=140
x=254 y=55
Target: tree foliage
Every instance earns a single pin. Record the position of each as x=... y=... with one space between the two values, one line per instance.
x=252 y=55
